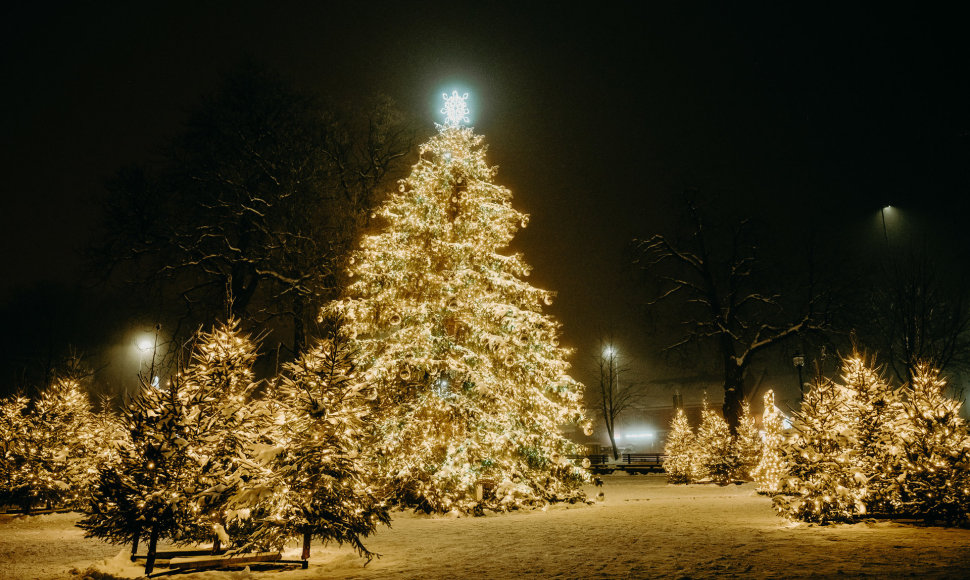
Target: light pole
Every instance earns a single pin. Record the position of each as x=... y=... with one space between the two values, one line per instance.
x=798 y=359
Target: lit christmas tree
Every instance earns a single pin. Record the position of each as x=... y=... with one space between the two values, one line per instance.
x=824 y=483
x=473 y=386
x=218 y=386
x=681 y=463
x=16 y=476
x=771 y=468
x=747 y=445
x=934 y=471
x=875 y=417
x=149 y=493
x=716 y=451
x=62 y=442
x=311 y=482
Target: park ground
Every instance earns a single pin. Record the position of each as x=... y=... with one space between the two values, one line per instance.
x=642 y=528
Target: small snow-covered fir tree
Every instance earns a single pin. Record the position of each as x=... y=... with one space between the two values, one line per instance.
x=747 y=445
x=716 y=450
x=149 y=493
x=824 y=485
x=218 y=387
x=771 y=469
x=681 y=462
x=473 y=385
x=876 y=418
x=934 y=469
x=16 y=477
x=312 y=481
x=63 y=445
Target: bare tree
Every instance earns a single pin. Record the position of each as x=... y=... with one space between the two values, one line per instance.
x=257 y=201
x=614 y=397
x=922 y=315
x=727 y=297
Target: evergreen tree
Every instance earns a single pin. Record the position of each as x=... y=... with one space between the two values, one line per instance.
x=473 y=385
x=771 y=468
x=824 y=483
x=681 y=463
x=311 y=481
x=875 y=418
x=16 y=477
x=149 y=493
x=747 y=445
x=716 y=451
x=222 y=424
x=934 y=471
x=62 y=442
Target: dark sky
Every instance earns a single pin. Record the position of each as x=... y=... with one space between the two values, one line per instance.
x=597 y=113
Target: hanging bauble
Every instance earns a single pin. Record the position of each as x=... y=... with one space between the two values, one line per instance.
x=405 y=374
x=352 y=260
x=395 y=319
x=555 y=457
x=452 y=303
x=586 y=462
x=454 y=199
x=509 y=361
x=547 y=299
x=587 y=428
x=522 y=339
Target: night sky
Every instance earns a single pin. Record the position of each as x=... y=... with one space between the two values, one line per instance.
x=597 y=114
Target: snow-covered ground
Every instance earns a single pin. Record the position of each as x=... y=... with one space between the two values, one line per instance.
x=643 y=528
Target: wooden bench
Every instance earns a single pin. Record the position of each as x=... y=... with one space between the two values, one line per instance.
x=642 y=462
x=184 y=560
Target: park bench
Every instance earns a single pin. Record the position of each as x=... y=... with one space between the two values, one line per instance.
x=183 y=560
x=641 y=462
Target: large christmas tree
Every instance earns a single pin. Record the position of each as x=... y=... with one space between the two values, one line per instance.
x=473 y=386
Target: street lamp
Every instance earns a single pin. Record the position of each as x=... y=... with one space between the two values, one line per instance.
x=798 y=359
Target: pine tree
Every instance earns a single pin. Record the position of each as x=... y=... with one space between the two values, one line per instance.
x=875 y=416
x=934 y=470
x=149 y=493
x=16 y=479
x=312 y=481
x=747 y=445
x=222 y=426
x=824 y=484
x=63 y=445
x=681 y=463
x=771 y=468
x=716 y=450
x=473 y=385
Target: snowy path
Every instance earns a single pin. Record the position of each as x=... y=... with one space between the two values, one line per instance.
x=643 y=529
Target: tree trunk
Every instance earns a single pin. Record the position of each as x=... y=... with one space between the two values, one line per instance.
x=216 y=545
x=134 y=544
x=152 y=544
x=616 y=452
x=306 y=546
x=299 y=331
x=733 y=393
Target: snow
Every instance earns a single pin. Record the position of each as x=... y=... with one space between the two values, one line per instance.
x=643 y=528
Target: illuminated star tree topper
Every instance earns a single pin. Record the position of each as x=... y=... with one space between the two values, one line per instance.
x=455 y=109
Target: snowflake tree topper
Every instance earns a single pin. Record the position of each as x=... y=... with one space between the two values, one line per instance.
x=455 y=109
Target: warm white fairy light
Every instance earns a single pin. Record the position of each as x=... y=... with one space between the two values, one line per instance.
x=473 y=386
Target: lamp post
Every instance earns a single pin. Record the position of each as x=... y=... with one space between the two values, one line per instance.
x=798 y=359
